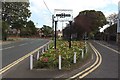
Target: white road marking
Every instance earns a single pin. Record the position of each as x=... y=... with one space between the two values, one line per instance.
x=22 y=44
x=31 y=42
x=12 y=46
x=6 y=68
x=7 y=48
x=108 y=47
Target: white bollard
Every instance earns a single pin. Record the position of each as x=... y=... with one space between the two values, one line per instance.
x=74 y=57
x=82 y=53
x=38 y=54
x=42 y=50
x=46 y=48
x=59 y=62
x=31 y=62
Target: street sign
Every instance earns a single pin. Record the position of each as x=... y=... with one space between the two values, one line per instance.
x=63 y=15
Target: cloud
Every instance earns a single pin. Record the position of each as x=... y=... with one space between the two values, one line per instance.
x=41 y=13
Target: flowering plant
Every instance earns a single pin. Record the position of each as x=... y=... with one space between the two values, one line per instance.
x=50 y=58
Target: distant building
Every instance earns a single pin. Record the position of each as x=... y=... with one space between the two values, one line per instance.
x=110 y=33
x=59 y=33
x=40 y=33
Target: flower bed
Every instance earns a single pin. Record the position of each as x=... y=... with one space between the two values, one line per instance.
x=50 y=58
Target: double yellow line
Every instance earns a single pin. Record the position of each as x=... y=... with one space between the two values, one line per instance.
x=90 y=69
x=20 y=59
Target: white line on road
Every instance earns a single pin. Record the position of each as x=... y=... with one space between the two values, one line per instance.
x=22 y=44
x=31 y=42
x=20 y=59
x=7 y=48
x=13 y=46
x=108 y=47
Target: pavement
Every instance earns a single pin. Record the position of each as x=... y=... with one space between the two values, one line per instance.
x=111 y=44
x=11 y=40
x=108 y=68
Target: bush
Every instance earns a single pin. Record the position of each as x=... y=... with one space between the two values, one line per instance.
x=4 y=30
x=50 y=58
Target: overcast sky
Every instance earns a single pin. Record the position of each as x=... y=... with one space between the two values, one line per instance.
x=42 y=16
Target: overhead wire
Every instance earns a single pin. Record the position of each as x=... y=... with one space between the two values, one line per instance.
x=47 y=7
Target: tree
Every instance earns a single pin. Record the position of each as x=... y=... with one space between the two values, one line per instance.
x=47 y=31
x=4 y=30
x=90 y=20
x=15 y=13
x=87 y=21
x=112 y=19
x=30 y=27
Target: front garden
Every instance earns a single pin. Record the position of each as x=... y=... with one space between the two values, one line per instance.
x=50 y=58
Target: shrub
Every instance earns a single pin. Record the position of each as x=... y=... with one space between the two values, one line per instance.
x=50 y=58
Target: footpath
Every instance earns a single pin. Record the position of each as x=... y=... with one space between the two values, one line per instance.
x=10 y=41
x=111 y=44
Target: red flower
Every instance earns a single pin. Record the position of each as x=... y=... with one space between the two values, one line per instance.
x=45 y=59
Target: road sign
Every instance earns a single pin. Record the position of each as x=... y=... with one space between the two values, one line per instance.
x=63 y=15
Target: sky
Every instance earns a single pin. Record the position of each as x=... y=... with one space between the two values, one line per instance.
x=42 y=14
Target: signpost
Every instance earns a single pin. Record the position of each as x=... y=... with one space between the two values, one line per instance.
x=62 y=15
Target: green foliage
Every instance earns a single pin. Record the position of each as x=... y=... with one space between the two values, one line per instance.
x=47 y=31
x=97 y=19
x=30 y=27
x=5 y=27
x=15 y=13
x=87 y=21
x=50 y=58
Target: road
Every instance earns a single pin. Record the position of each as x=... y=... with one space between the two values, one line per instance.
x=107 y=69
x=109 y=65
x=14 y=51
